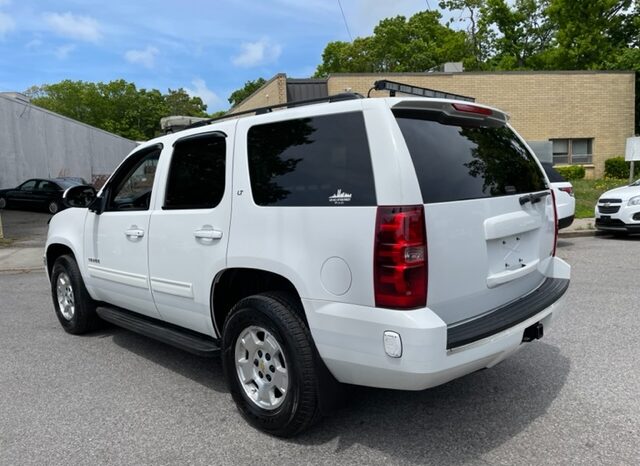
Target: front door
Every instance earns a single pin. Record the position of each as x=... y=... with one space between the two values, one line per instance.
x=189 y=229
x=116 y=241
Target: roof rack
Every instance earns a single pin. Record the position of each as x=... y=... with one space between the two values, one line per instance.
x=393 y=87
x=298 y=103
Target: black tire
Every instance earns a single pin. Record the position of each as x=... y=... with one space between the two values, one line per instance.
x=3 y=203
x=84 y=317
x=53 y=207
x=300 y=408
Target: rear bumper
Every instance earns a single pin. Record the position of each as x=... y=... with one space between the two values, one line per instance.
x=565 y=222
x=349 y=339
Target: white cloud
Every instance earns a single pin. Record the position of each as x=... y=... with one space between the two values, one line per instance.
x=7 y=24
x=257 y=53
x=63 y=51
x=73 y=26
x=146 y=57
x=33 y=44
x=201 y=90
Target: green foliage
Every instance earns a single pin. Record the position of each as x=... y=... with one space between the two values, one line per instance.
x=616 y=168
x=420 y=43
x=571 y=172
x=249 y=88
x=118 y=106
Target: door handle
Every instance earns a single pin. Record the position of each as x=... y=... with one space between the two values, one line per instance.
x=134 y=232
x=207 y=234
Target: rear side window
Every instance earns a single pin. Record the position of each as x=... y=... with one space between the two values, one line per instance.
x=319 y=161
x=455 y=162
x=197 y=173
x=552 y=173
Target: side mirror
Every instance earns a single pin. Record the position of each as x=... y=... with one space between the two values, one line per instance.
x=79 y=196
x=99 y=203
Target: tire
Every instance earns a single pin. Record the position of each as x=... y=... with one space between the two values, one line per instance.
x=3 y=203
x=53 y=207
x=264 y=320
x=75 y=309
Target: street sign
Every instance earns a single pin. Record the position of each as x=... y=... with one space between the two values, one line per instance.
x=633 y=149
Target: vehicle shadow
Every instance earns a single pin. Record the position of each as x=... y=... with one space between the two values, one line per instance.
x=205 y=371
x=450 y=424
x=453 y=423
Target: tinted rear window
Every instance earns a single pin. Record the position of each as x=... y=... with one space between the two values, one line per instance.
x=552 y=173
x=455 y=162
x=319 y=161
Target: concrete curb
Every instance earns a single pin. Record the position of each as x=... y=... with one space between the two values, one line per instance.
x=578 y=233
x=21 y=270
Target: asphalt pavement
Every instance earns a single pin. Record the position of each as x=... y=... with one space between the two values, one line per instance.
x=114 y=397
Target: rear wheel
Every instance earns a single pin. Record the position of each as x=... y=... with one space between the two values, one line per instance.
x=269 y=363
x=74 y=308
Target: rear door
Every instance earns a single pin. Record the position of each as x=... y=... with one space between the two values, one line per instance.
x=189 y=228
x=488 y=211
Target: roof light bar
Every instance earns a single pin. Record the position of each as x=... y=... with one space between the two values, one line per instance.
x=393 y=87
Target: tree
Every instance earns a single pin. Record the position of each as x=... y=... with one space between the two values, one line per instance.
x=420 y=43
x=249 y=88
x=118 y=106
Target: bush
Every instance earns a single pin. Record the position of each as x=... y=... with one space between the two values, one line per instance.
x=571 y=172
x=616 y=167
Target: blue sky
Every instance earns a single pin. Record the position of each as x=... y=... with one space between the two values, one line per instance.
x=209 y=48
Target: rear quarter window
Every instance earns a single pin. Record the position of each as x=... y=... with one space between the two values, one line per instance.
x=317 y=161
x=455 y=161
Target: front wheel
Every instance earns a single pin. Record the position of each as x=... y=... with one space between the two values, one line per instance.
x=3 y=203
x=75 y=309
x=270 y=367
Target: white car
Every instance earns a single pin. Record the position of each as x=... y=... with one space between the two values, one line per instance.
x=618 y=210
x=565 y=200
x=392 y=242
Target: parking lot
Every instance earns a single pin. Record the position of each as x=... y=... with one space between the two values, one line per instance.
x=116 y=397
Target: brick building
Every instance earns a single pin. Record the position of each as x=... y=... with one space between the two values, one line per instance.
x=587 y=115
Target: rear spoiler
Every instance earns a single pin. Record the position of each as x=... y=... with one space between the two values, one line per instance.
x=455 y=110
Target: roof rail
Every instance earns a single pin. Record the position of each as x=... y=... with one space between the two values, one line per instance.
x=298 y=103
x=393 y=87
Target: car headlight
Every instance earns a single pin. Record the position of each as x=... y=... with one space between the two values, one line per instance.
x=634 y=200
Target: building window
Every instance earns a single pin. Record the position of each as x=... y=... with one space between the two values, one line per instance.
x=574 y=151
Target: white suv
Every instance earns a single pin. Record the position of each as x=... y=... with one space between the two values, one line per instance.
x=392 y=242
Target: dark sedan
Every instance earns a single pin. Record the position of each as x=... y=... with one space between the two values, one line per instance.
x=37 y=194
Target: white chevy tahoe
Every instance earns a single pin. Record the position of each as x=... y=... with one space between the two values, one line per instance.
x=388 y=242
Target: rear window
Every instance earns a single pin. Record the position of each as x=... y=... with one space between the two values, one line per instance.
x=319 y=161
x=455 y=162
x=552 y=173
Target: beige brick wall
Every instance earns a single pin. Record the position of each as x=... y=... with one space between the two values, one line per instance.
x=541 y=106
x=273 y=92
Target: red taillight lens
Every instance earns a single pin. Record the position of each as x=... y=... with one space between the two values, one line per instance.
x=569 y=191
x=555 y=222
x=472 y=109
x=400 y=257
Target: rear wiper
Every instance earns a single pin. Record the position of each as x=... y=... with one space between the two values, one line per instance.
x=533 y=198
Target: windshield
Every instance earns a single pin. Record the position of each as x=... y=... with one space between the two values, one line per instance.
x=635 y=183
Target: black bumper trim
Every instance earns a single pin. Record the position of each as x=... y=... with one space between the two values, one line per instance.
x=615 y=224
x=504 y=317
x=565 y=222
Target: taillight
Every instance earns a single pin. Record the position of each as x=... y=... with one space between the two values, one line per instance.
x=568 y=190
x=468 y=108
x=555 y=223
x=400 y=257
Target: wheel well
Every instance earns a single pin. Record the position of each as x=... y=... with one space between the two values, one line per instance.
x=53 y=252
x=234 y=284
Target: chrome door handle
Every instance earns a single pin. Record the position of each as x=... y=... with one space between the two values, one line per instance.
x=208 y=234
x=134 y=232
